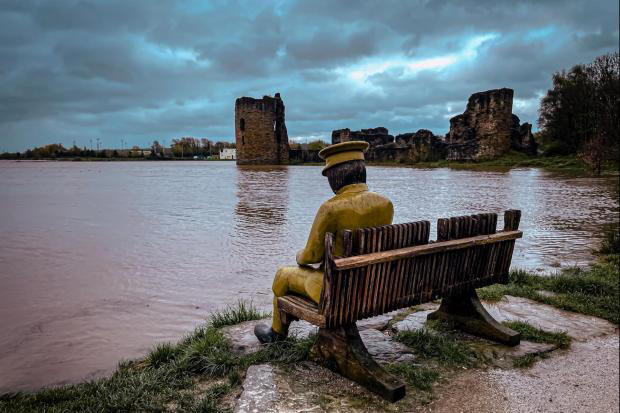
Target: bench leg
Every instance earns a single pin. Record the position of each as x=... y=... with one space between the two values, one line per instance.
x=343 y=351
x=467 y=313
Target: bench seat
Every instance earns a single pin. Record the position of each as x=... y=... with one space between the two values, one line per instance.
x=302 y=308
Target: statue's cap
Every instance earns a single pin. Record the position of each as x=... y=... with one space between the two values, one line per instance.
x=343 y=152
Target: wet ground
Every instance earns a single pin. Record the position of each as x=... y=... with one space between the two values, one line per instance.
x=583 y=378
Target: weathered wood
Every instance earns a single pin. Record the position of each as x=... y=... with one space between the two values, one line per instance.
x=343 y=351
x=301 y=308
x=325 y=303
x=386 y=256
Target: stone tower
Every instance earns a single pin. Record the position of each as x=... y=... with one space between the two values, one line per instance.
x=483 y=131
x=260 y=131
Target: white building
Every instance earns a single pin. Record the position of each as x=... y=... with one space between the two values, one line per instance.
x=228 y=153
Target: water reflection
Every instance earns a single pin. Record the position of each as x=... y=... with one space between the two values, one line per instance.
x=260 y=216
x=262 y=198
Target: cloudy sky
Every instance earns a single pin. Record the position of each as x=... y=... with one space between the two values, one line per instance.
x=145 y=70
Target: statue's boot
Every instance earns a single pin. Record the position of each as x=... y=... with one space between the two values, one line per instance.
x=266 y=334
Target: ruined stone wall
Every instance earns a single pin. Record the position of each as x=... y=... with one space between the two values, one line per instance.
x=260 y=131
x=421 y=146
x=483 y=131
x=374 y=136
x=522 y=139
x=424 y=146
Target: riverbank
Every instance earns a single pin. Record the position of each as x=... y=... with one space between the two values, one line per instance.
x=213 y=368
x=95 y=159
x=570 y=164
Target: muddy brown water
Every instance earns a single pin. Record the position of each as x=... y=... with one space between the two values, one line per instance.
x=99 y=261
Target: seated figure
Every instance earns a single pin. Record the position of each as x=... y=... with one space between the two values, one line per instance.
x=353 y=207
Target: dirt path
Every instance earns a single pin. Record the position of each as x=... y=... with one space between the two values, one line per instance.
x=582 y=379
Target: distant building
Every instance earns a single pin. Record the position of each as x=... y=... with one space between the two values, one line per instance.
x=228 y=153
x=137 y=152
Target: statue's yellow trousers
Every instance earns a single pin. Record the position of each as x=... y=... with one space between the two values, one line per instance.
x=305 y=281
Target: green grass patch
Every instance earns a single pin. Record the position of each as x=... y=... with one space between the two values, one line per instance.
x=232 y=315
x=524 y=362
x=161 y=354
x=593 y=290
x=568 y=163
x=448 y=350
x=291 y=350
x=418 y=377
x=128 y=389
x=492 y=293
x=611 y=240
x=167 y=378
x=530 y=333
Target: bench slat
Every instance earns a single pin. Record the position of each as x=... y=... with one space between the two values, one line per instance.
x=386 y=256
x=302 y=308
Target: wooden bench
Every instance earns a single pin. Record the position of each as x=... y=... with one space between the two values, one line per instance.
x=395 y=266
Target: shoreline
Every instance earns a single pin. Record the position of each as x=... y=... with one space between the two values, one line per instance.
x=569 y=164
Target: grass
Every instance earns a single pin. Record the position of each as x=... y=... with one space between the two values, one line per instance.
x=447 y=349
x=172 y=377
x=524 y=362
x=530 y=333
x=593 y=290
x=611 y=240
x=418 y=377
x=232 y=315
x=514 y=159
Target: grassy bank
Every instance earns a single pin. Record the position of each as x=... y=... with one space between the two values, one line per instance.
x=593 y=290
x=566 y=164
x=520 y=160
x=112 y=159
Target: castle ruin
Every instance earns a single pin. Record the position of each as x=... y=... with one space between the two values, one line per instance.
x=260 y=131
x=488 y=129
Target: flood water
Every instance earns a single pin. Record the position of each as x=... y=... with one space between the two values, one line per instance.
x=99 y=261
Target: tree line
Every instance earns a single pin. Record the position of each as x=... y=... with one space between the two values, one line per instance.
x=579 y=114
x=186 y=147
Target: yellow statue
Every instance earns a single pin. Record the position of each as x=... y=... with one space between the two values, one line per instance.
x=353 y=207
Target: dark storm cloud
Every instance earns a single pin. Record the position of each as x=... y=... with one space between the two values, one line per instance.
x=145 y=70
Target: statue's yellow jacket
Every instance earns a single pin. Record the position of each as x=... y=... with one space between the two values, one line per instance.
x=353 y=207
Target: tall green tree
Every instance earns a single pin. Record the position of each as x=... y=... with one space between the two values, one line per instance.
x=580 y=113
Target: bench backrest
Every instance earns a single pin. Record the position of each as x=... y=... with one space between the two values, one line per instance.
x=394 y=266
